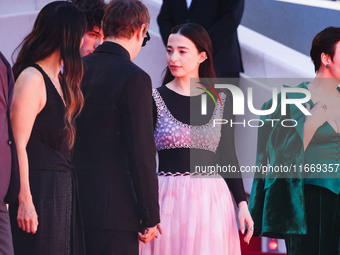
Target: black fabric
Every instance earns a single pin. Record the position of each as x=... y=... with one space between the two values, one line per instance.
x=14 y=184
x=178 y=160
x=115 y=151
x=47 y=147
x=219 y=17
x=52 y=185
x=52 y=198
x=106 y=242
x=323 y=221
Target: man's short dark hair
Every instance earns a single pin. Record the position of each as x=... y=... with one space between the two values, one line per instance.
x=324 y=42
x=93 y=10
x=122 y=18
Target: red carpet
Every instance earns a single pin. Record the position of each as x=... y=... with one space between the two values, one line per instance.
x=254 y=247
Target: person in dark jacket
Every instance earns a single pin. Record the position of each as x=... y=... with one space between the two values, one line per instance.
x=303 y=205
x=9 y=171
x=115 y=149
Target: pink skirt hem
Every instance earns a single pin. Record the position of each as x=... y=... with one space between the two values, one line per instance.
x=197 y=217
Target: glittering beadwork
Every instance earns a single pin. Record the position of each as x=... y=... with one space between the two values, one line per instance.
x=170 y=133
x=162 y=173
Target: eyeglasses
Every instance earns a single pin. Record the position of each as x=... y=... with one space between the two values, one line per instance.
x=146 y=39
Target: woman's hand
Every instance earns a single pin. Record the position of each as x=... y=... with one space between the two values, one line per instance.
x=27 y=216
x=245 y=218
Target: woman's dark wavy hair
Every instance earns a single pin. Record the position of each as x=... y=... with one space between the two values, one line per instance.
x=60 y=25
x=200 y=37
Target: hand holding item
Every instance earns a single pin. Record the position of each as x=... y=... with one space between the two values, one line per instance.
x=245 y=219
x=150 y=233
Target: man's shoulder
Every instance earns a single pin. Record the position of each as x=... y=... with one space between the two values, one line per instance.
x=130 y=70
x=136 y=70
x=114 y=63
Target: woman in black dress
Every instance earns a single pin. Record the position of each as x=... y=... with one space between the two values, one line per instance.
x=45 y=219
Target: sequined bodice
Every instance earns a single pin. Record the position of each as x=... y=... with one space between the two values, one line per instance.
x=170 y=133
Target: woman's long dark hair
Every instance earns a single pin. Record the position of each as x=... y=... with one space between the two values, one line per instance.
x=200 y=37
x=59 y=26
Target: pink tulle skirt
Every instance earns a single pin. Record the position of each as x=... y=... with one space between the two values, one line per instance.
x=197 y=217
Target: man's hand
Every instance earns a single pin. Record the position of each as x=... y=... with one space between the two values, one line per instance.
x=150 y=233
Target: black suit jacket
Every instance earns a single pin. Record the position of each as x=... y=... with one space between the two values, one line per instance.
x=219 y=17
x=114 y=153
x=7 y=86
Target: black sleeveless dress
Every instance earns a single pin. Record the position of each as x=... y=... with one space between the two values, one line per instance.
x=52 y=184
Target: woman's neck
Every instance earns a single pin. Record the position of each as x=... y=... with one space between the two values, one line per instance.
x=180 y=86
x=51 y=64
x=184 y=86
x=326 y=87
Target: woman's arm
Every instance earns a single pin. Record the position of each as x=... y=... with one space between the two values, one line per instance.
x=29 y=98
x=227 y=156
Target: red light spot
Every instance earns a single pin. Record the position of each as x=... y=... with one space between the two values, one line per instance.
x=273 y=244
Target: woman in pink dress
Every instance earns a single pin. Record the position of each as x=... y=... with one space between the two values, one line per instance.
x=197 y=214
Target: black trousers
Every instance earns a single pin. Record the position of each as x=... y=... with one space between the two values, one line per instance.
x=6 y=245
x=108 y=242
x=323 y=224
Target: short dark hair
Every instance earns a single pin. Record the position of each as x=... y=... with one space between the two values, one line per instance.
x=324 y=42
x=122 y=18
x=93 y=10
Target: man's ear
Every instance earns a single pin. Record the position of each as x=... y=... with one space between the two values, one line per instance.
x=141 y=32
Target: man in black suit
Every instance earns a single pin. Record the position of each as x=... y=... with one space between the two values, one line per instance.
x=9 y=168
x=219 y=17
x=115 y=150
